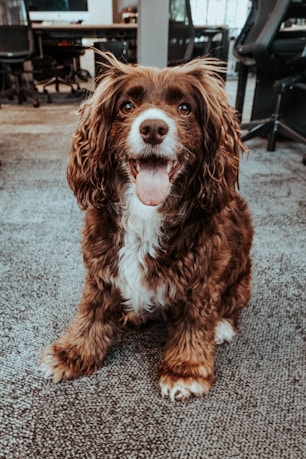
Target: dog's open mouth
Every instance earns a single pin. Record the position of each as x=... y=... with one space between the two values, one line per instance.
x=153 y=178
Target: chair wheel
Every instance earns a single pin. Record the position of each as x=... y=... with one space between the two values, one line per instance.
x=36 y=104
x=49 y=99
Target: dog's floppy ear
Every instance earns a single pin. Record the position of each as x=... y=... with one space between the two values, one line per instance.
x=88 y=170
x=222 y=143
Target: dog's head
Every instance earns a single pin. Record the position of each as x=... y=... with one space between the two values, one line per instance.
x=169 y=132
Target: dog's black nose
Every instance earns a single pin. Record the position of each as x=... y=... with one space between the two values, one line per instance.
x=153 y=131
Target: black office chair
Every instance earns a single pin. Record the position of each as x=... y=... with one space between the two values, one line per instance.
x=62 y=57
x=119 y=48
x=213 y=41
x=181 y=33
x=278 y=57
x=16 y=48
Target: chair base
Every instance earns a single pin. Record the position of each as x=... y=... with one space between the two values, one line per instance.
x=271 y=127
x=56 y=80
x=21 y=93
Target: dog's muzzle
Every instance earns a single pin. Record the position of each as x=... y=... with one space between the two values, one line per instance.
x=153 y=160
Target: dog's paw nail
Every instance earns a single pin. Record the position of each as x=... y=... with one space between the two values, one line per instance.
x=182 y=389
x=164 y=390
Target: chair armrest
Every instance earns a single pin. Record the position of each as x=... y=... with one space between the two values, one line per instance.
x=259 y=49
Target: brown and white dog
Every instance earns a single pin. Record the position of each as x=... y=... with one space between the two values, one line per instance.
x=155 y=161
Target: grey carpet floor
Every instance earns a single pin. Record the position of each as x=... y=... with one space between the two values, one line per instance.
x=256 y=409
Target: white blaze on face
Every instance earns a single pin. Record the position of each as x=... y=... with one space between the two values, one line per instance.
x=152 y=179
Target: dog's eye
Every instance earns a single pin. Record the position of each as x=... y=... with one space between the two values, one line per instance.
x=184 y=109
x=126 y=107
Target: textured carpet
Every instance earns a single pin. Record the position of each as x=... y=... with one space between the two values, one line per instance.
x=256 y=409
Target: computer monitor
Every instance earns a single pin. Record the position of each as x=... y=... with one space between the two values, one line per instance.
x=59 y=10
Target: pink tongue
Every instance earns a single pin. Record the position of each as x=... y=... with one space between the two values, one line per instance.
x=152 y=183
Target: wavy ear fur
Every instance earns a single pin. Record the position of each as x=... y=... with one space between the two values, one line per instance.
x=221 y=136
x=88 y=172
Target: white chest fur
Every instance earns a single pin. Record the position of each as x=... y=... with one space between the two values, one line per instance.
x=141 y=225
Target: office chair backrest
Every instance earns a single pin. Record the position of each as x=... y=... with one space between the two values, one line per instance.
x=16 y=36
x=181 y=33
x=261 y=27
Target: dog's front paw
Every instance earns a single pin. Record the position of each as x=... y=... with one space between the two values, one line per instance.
x=181 y=387
x=58 y=363
x=50 y=366
x=53 y=365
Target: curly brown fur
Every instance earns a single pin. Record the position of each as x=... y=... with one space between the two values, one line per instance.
x=154 y=162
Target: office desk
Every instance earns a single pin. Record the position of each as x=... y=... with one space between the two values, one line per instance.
x=53 y=32
x=204 y=34
x=208 y=39
x=78 y=31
